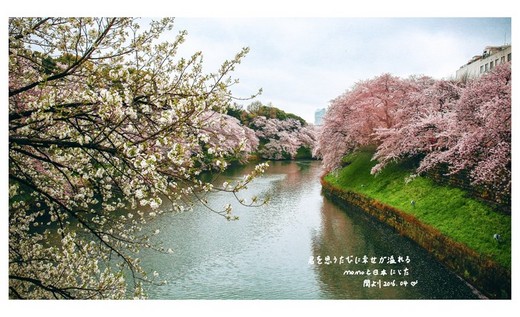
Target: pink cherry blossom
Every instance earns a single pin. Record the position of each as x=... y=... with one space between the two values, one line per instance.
x=468 y=128
x=283 y=138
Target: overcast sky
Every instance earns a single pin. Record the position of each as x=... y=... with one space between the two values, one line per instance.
x=303 y=63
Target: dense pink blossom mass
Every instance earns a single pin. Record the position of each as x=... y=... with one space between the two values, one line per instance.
x=466 y=126
x=283 y=138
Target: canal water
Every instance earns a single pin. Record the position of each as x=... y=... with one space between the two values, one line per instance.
x=299 y=246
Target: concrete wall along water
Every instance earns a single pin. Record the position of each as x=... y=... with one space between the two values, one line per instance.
x=480 y=271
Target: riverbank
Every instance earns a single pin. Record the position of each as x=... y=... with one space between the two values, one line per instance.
x=456 y=229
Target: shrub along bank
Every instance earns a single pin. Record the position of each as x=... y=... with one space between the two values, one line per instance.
x=457 y=229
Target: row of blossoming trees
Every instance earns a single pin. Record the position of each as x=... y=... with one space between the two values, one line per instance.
x=280 y=135
x=266 y=137
x=107 y=128
x=465 y=127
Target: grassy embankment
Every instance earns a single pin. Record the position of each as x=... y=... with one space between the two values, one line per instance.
x=448 y=209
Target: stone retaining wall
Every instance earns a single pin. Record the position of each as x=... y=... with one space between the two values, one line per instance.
x=480 y=271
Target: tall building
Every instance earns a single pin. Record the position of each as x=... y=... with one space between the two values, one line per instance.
x=481 y=64
x=318 y=116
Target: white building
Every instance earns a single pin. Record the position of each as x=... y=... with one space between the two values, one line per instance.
x=480 y=64
x=318 y=116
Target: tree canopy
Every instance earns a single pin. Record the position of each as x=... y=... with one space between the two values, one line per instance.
x=257 y=109
x=107 y=129
x=466 y=126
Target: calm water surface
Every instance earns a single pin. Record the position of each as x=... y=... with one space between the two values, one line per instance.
x=272 y=251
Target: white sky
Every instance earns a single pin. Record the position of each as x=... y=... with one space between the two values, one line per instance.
x=303 y=63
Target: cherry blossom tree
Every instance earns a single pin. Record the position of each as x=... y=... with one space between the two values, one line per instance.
x=353 y=118
x=422 y=122
x=478 y=133
x=466 y=126
x=229 y=138
x=107 y=129
x=282 y=138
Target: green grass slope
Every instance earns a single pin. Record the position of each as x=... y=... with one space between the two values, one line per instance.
x=448 y=209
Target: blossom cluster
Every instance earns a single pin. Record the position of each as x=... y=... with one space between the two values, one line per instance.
x=107 y=129
x=281 y=139
x=465 y=126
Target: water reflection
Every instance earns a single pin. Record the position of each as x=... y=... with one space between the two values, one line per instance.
x=347 y=231
x=265 y=255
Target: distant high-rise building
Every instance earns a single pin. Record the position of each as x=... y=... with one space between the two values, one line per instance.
x=481 y=64
x=318 y=116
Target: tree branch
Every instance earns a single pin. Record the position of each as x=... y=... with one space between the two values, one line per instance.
x=72 y=68
x=60 y=143
x=50 y=288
